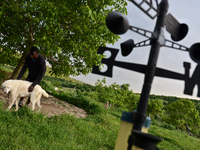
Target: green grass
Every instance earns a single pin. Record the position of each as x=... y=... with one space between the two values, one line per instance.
x=65 y=89
x=6 y=68
x=27 y=130
x=174 y=140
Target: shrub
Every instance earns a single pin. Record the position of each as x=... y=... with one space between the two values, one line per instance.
x=47 y=85
x=168 y=126
x=181 y=113
x=118 y=96
x=80 y=101
x=57 y=84
x=3 y=76
x=155 y=107
x=163 y=125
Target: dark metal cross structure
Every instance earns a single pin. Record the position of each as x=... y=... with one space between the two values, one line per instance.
x=118 y=24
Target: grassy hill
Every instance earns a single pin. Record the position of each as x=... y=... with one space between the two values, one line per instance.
x=174 y=140
x=27 y=130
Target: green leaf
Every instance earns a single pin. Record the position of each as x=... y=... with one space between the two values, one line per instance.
x=78 y=29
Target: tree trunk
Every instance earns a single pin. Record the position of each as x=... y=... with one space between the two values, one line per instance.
x=19 y=66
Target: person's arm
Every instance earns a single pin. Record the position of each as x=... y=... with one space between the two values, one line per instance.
x=25 y=66
x=41 y=72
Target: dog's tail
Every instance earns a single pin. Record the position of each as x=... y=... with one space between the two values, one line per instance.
x=45 y=94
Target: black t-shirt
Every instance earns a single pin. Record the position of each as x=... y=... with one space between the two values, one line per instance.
x=36 y=68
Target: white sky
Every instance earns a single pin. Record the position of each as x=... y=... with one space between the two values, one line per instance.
x=184 y=11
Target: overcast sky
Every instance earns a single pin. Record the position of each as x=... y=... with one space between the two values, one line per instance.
x=184 y=11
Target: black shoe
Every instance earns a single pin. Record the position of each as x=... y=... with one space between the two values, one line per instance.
x=15 y=106
x=20 y=104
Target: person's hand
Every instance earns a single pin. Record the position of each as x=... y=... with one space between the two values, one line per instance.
x=30 y=89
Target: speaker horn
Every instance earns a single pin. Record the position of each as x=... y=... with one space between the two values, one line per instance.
x=194 y=52
x=117 y=23
x=127 y=47
x=178 y=31
x=181 y=33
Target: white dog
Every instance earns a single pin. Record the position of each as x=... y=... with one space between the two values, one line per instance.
x=19 y=88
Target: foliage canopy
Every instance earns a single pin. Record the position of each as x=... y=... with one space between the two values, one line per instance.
x=155 y=107
x=181 y=113
x=68 y=33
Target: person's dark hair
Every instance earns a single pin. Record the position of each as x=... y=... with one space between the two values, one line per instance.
x=34 y=49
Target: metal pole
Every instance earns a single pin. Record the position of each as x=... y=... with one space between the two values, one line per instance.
x=156 y=42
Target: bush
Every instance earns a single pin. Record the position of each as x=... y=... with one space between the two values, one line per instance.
x=57 y=84
x=118 y=96
x=155 y=108
x=168 y=126
x=80 y=101
x=47 y=85
x=163 y=125
x=181 y=113
x=3 y=76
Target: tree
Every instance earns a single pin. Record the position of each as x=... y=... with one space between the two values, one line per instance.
x=181 y=113
x=125 y=86
x=155 y=107
x=119 y=96
x=67 y=32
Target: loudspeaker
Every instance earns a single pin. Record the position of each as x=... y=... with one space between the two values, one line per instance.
x=117 y=23
x=127 y=47
x=194 y=52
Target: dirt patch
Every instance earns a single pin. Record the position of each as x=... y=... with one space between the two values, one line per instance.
x=52 y=106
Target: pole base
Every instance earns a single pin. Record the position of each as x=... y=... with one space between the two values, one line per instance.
x=143 y=140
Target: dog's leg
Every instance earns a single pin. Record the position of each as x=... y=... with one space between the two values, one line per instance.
x=12 y=102
x=38 y=102
x=33 y=105
x=13 y=97
x=32 y=99
x=16 y=104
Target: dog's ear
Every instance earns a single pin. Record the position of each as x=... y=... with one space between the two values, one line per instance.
x=2 y=85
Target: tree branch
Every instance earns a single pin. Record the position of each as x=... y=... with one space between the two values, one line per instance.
x=52 y=59
x=7 y=2
x=99 y=7
x=89 y=3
